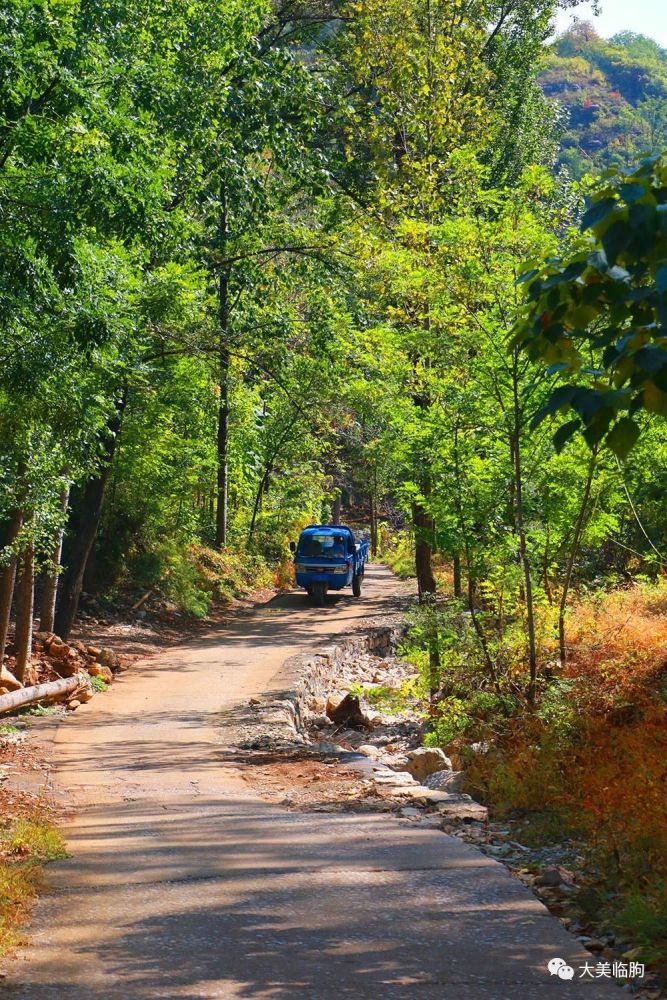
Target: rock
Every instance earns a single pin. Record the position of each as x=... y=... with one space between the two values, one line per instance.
x=57 y=649
x=444 y=781
x=67 y=667
x=8 y=681
x=394 y=778
x=109 y=658
x=324 y=746
x=430 y=821
x=409 y=811
x=94 y=651
x=73 y=704
x=99 y=670
x=549 y=877
x=592 y=944
x=461 y=810
x=427 y=760
x=320 y=721
x=43 y=636
x=347 y=712
x=368 y=750
x=396 y=762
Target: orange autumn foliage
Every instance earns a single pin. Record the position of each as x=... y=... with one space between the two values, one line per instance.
x=596 y=751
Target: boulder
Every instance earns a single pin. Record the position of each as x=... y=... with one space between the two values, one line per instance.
x=347 y=713
x=397 y=762
x=99 y=670
x=109 y=658
x=44 y=637
x=394 y=778
x=67 y=667
x=444 y=781
x=549 y=877
x=425 y=761
x=8 y=681
x=463 y=808
x=57 y=649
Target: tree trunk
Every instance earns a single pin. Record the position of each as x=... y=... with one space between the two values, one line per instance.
x=336 y=508
x=521 y=532
x=24 y=611
x=423 y=523
x=578 y=529
x=256 y=507
x=50 y=587
x=222 y=482
x=465 y=537
x=51 y=691
x=71 y=582
x=374 y=523
x=222 y=512
x=7 y=578
x=458 y=588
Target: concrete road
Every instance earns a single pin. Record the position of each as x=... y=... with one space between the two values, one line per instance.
x=183 y=885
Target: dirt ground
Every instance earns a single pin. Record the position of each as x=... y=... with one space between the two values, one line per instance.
x=302 y=782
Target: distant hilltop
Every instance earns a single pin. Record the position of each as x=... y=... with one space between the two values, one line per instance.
x=613 y=95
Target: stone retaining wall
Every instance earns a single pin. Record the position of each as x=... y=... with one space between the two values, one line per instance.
x=306 y=677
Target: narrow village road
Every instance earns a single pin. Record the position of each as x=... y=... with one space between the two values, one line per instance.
x=182 y=884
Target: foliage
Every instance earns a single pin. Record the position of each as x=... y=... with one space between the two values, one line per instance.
x=272 y=266
x=597 y=742
x=597 y=315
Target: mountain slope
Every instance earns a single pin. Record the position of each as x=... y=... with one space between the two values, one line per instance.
x=613 y=95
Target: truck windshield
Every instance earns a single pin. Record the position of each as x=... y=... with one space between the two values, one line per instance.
x=322 y=545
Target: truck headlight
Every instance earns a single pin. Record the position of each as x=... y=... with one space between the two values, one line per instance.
x=300 y=568
x=340 y=569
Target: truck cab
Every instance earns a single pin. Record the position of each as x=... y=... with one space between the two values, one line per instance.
x=329 y=557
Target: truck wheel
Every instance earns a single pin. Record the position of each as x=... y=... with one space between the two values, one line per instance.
x=356 y=586
x=317 y=594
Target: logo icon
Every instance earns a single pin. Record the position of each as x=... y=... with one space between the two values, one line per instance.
x=559 y=967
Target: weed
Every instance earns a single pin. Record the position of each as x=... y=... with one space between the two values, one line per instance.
x=32 y=838
x=25 y=846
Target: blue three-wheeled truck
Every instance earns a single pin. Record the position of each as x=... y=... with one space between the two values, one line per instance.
x=329 y=557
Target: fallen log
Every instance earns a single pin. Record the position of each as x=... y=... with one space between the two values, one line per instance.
x=142 y=600
x=51 y=691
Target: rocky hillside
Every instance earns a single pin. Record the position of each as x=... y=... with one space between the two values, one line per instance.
x=613 y=95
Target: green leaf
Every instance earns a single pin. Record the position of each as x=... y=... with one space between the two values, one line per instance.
x=565 y=433
x=597 y=213
x=651 y=359
x=622 y=437
x=632 y=192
